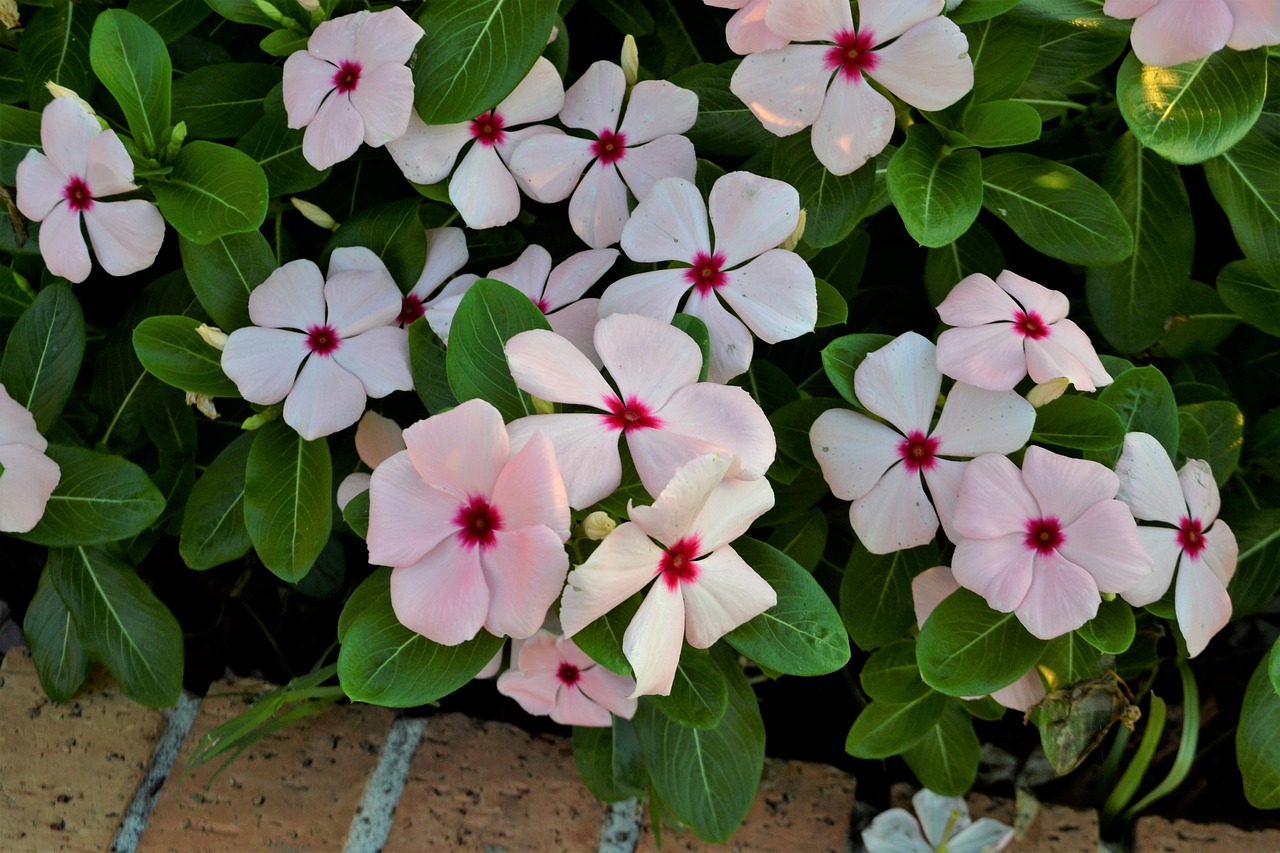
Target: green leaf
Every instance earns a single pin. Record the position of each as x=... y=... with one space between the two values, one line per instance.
x=1224 y=427
x=980 y=10
x=172 y=19
x=60 y=657
x=726 y=127
x=13 y=85
x=1067 y=660
x=213 y=530
x=1070 y=50
x=1112 y=630
x=55 y=46
x=946 y=759
x=100 y=498
x=937 y=193
x=1273 y=666
x=875 y=593
x=384 y=663
x=1000 y=124
x=131 y=60
x=975 y=251
x=474 y=54
x=1199 y=323
x=19 y=133
x=1257 y=574
x=707 y=778
x=1258 y=741
x=16 y=295
x=43 y=353
x=883 y=729
x=629 y=16
x=427 y=365
x=1246 y=182
x=1145 y=403
x=802 y=633
x=224 y=271
x=121 y=623
x=356 y=514
x=393 y=233
x=892 y=675
x=488 y=316
x=1078 y=422
x=1002 y=52
x=288 y=499
x=1197 y=110
x=833 y=203
x=791 y=426
x=223 y=101
x=602 y=639
x=841 y=358
x=1131 y=301
x=172 y=351
x=803 y=538
x=699 y=693
x=696 y=329
x=1247 y=293
x=832 y=309
x=1055 y=209
x=277 y=149
x=968 y=649
x=594 y=752
x=212 y=191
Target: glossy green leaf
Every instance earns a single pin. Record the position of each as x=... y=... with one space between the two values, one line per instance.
x=172 y=19
x=393 y=233
x=841 y=358
x=946 y=759
x=699 y=693
x=223 y=101
x=726 y=127
x=1078 y=422
x=224 y=271
x=1257 y=576
x=1251 y=296
x=875 y=593
x=19 y=133
x=1111 y=631
x=968 y=649
x=832 y=309
x=1002 y=52
x=1067 y=660
x=883 y=729
x=55 y=46
x=892 y=675
x=937 y=192
x=1085 y=14
x=488 y=316
x=1223 y=425
x=1000 y=124
x=288 y=499
x=213 y=530
x=602 y=639
x=131 y=60
x=803 y=539
x=1246 y=182
x=43 y=353
x=427 y=365
x=1145 y=403
x=62 y=664
x=212 y=191
x=1258 y=741
x=100 y=498
x=595 y=750
x=277 y=149
x=974 y=251
x=980 y=10
x=833 y=204
x=172 y=351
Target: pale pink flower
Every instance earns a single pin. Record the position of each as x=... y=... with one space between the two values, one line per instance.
x=1170 y=32
x=880 y=467
x=771 y=290
x=666 y=415
x=482 y=188
x=901 y=44
x=446 y=254
x=1046 y=541
x=1011 y=327
x=1198 y=544
x=946 y=824
x=747 y=31
x=928 y=589
x=702 y=589
x=351 y=84
x=633 y=154
x=552 y=676
x=474 y=534
x=81 y=164
x=377 y=439
x=341 y=332
x=27 y=476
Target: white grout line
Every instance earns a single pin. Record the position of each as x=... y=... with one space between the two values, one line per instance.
x=372 y=823
x=621 y=830
x=177 y=722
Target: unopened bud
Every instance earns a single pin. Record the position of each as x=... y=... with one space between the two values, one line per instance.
x=1108 y=596
x=310 y=5
x=315 y=215
x=204 y=405
x=542 y=407
x=1047 y=392
x=9 y=14
x=262 y=418
x=213 y=336
x=269 y=9
x=794 y=239
x=630 y=60
x=63 y=92
x=598 y=525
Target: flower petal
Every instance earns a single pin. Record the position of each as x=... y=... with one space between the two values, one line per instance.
x=900 y=383
x=729 y=512
x=352 y=485
x=853 y=451
x=665 y=157
x=1051 y=305
x=1023 y=695
x=379 y=358
x=928 y=589
x=994 y=501
x=549 y=166
x=443 y=596
x=751 y=215
x=426 y=154
x=620 y=567
x=883 y=20
x=575 y=274
x=747 y=31
x=335 y=40
x=725 y=416
x=539 y=96
x=334 y=134
x=938 y=814
x=658 y=108
x=325 y=398
x=855 y=125
x=407 y=516
x=292 y=297
x=669 y=225
x=598 y=210
x=586 y=452
x=775 y=295
x=989 y=356
x=1062 y=597
x=731 y=341
x=1254 y=23
x=67 y=131
x=895 y=514
x=1065 y=487
x=725 y=594
x=530 y=491
x=263 y=362
x=1000 y=570
x=653 y=294
x=462 y=451
x=653 y=640
x=29 y=479
x=1202 y=605
x=446 y=254
x=784 y=88
x=62 y=244
x=384 y=100
x=1067 y=352
x=40 y=186
x=675 y=510
x=527 y=273
x=483 y=190
x=388 y=36
x=1161 y=544
x=360 y=293
x=1104 y=542
x=928 y=66
x=1221 y=551
x=976 y=421
x=551 y=368
x=1177 y=31
x=609 y=690
x=895 y=831
x=647 y=358
x=525 y=570
x=576 y=323
x=1148 y=483
x=1127 y=8
x=308 y=81
x=808 y=20
x=1197 y=484
x=110 y=169
x=944 y=479
x=595 y=101
x=975 y=301
x=126 y=235
x=536 y=691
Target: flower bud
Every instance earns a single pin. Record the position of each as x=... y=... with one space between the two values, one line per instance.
x=310 y=5
x=63 y=92
x=794 y=239
x=1047 y=392
x=598 y=525
x=630 y=60
x=9 y=14
x=270 y=10
x=213 y=336
x=315 y=215
x=204 y=405
x=542 y=407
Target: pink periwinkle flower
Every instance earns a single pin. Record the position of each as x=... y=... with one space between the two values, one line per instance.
x=482 y=188
x=1011 y=327
x=666 y=416
x=633 y=154
x=1198 y=544
x=377 y=439
x=879 y=467
x=771 y=290
x=553 y=677
x=1046 y=541
x=351 y=84
x=27 y=476
x=901 y=44
x=475 y=535
x=341 y=332
x=81 y=165
x=701 y=588
x=1170 y=32
x=446 y=254
x=928 y=589
x=747 y=31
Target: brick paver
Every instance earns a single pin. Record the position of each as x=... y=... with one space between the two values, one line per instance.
x=1157 y=835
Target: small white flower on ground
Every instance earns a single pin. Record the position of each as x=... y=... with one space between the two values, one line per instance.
x=27 y=476
x=946 y=824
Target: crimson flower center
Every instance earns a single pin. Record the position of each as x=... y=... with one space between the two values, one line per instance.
x=677 y=565
x=568 y=674
x=918 y=451
x=410 y=309
x=629 y=416
x=705 y=275
x=347 y=77
x=1031 y=325
x=610 y=147
x=487 y=128
x=323 y=340
x=1044 y=535
x=477 y=520
x=851 y=54
x=1191 y=537
x=77 y=194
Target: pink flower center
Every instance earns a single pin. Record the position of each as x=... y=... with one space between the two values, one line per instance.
x=705 y=274
x=347 y=77
x=610 y=147
x=486 y=128
x=77 y=194
x=410 y=309
x=323 y=340
x=918 y=451
x=543 y=305
x=476 y=521
x=1191 y=537
x=568 y=674
x=1031 y=325
x=629 y=416
x=677 y=565
x=1044 y=535
x=851 y=54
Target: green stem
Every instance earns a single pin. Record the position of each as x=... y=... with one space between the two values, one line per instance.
x=1132 y=778
x=1186 y=746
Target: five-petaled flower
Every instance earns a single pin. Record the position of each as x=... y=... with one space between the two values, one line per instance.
x=946 y=825
x=552 y=676
x=82 y=164
x=27 y=476
x=1198 y=544
x=475 y=536
x=1170 y=32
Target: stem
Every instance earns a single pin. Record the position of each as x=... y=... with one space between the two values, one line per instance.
x=1186 y=746
x=1132 y=778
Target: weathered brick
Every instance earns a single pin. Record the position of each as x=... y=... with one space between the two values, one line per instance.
x=67 y=772
x=1158 y=835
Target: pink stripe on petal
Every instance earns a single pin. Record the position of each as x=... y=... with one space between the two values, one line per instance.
x=443 y=596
